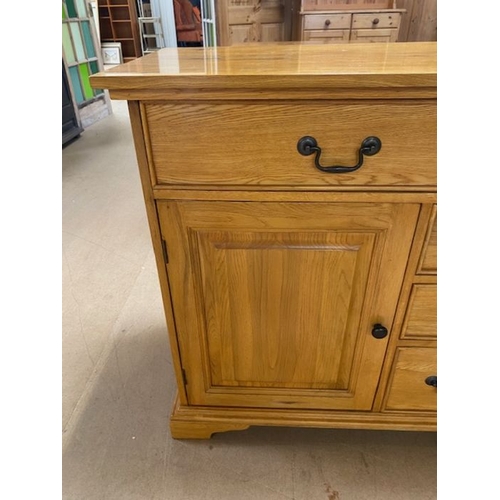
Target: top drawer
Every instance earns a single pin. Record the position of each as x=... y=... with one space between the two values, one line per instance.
x=375 y=20
x=327 y=21
x=256 y=144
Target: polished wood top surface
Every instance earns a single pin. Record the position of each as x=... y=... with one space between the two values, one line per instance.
x=285 y=65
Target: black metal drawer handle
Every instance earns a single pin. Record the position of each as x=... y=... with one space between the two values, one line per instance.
x=432 y=381
x=308 y=145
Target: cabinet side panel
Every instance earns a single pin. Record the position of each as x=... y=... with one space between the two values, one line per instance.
x=142 y=160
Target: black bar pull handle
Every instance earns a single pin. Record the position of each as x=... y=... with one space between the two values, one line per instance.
x=308 y=145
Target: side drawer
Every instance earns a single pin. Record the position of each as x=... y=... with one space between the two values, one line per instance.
x=234 y=144
x=421 y=315
x=376 y=20
x=327 y=21
x=428 y=259
x=408 y=389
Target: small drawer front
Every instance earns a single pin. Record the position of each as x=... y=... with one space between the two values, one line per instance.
x=257 y=143
x=421 y=315
x=377 y=20
x=374 y=36
x=428 y=259
x=326 y=36
x=327 y=22
x=411 y=386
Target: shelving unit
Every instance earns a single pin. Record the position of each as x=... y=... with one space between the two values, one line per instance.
x=118 y=23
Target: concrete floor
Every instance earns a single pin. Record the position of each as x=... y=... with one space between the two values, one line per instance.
x=118 y=384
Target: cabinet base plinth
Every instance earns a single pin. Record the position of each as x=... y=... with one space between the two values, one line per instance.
x=200 y=422
x=201 y=430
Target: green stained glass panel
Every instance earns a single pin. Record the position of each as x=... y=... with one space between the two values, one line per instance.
x=77 y=41
x=84 y=73
x=94 y=68
x=64 y=16
x=80 y=7
x=75 y=80
x=71 y=8
x=67 y=45
x=87 y=36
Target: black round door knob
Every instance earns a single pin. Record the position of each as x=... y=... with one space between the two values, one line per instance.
x=328 y=22
x=432 y=381
x=379 y=331
x=376 y=20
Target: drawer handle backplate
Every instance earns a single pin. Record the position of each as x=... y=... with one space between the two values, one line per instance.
x=308 y=145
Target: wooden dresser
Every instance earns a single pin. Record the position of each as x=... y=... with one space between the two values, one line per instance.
x=291 y=196
x=332 y=21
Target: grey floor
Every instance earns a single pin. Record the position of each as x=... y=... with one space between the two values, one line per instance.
x=118 y=384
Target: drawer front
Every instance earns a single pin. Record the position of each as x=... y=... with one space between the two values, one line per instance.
x=256 y=144
x=374 y=36
x=428 y=259
x=408 y=389
x=421 y=315
x=376 y=20
x=326 y=36
x=327 y=21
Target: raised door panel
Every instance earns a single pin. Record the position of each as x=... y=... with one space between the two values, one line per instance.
x=274 y=320
x=274 y=302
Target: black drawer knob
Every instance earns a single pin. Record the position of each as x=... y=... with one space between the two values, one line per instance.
x=376 y=20
x=328 y=22
x=432 y=381
x=308 y=145
x=379 y=331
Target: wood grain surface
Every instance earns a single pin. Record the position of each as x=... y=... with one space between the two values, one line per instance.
x=256 y=144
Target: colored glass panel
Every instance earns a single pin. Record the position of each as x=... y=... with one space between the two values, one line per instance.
x=87 y=36
x=64 y=15
x=80 y=7
x=84 y=73
x=71 y=8
x=77 y=41
x=67 y=45
x=94 y=68
x=75 y=80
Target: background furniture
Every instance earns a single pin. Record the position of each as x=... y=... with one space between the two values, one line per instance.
x=325 y=21
x=119 y=23
x=254 y=21
x=296 y=239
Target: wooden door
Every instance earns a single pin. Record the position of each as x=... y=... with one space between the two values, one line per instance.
x=274 y=303
x=249 y=21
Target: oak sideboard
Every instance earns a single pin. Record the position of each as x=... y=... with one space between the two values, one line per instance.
x=292 y=202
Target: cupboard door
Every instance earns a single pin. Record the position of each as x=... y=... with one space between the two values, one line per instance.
x=274 y=303
x=249 y=21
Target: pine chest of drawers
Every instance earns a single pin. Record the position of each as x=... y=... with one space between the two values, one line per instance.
x=291 y=196
x=355 y=26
